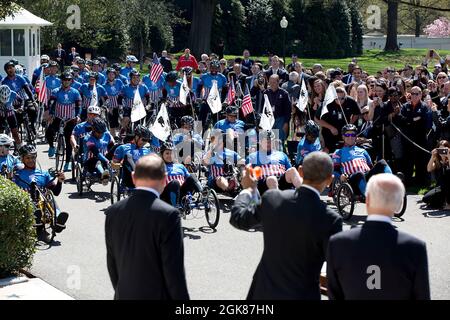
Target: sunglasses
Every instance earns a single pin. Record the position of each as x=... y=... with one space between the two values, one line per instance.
x=350 y=135
x=442 y=77
x=416 y=93
x=390 y=71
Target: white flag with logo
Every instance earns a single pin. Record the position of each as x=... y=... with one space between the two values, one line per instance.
x=138 y=111
x=214 y=99
x=303 y=99
x=330 y=96
x=161 y=127
x=94 y=97
x=267 y=119
x=184 y=90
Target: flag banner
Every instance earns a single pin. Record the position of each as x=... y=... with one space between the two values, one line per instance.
x=267 y=119
x=161 y=127
x=302 y=103
x=42 y=96
x=157 y=69
x=138 y=111
x=214 y=99
x=330 y=96
x=247 y=105
x=184 y=90
x=94 y=97
x=231 y=93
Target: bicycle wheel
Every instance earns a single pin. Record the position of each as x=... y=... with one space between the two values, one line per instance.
x=405 y=204
x=79 y=179
x=60 y=152
x=115 y=190
x=49 y=216
x=212 y=209
x=345 y=201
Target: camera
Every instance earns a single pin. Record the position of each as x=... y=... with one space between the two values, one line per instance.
x=443 y=151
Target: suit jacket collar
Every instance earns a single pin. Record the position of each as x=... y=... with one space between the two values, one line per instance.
x=307 y=192
x=142 y=192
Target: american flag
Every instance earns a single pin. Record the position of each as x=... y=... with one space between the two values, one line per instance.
x=42 y=96
x=231 y=93
x=157 y=69
x=247 y=106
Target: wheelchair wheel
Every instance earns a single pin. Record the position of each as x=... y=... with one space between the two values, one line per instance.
x=49 y=216
x=115 y=190
x=212 y=209
x=60 y=152
x=79 y=179
x=345 y=201
x=405 y=204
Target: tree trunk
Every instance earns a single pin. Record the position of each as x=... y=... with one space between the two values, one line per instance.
x=391 y=39
x=418 y=23
x=200 y=34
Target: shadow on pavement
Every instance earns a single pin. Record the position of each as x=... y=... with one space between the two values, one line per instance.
x=98 y=196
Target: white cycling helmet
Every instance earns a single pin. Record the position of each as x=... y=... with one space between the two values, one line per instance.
x=132 y=59
x=45 y=57
x=5 y=93
x=19 y=70
x=5 y=140
x=94 y=110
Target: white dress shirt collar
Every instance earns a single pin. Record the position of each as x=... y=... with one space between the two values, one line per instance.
x=379 y=218
x=311 y=188
x=156 y=193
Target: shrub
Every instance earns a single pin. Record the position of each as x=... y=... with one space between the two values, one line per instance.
x=17 y=232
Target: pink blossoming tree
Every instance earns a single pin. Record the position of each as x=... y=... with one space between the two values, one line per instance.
x=439 y=28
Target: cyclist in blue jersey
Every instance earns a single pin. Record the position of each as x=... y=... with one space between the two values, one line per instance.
x=179 y=181
x=204 y=87
x=353 y=164
x=155 y=89
x=45 y=59
x=9 y=99
x=231 y=121
x=127 y=155
x=52 y=81
x=65 y=105
x=127 y=97
x=97 y=146
x=309 y=143
x=96 y=68
x=277 y=172
x=187 y=141
x=171 y=94
x=84 y=72
x=83 y=129
x=24 y=178
x=122 y=78
x=113 y=87
x=221 y=162
x=130 y=66
x=8 y=163
x=76 y=74
x=87 y=92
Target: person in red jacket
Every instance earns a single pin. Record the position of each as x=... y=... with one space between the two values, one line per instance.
x=187 y=60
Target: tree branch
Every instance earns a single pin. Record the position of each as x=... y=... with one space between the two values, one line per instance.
x=419 y=5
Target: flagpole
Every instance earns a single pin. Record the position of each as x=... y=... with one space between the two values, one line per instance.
x=342 y=109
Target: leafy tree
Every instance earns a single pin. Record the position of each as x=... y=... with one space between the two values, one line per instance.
x=7 y=8
x=259 y=14
x=339 y=16
x=357 y=31
x=232 y=24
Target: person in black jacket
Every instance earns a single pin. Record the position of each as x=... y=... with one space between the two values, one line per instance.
x=297 y=226
x=59 y=55
x=165 y=62
x=377 y=261
x=144 y=240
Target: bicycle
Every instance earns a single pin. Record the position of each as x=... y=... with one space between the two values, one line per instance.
x=118 y=189
x=60 y=146
x=25 y=131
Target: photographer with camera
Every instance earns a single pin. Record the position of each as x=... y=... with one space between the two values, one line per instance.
x=439 y=167
x=257 y=91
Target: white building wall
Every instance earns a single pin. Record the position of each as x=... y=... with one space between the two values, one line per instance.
x=408 y=41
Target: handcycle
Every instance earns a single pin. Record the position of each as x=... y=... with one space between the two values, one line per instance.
x=60 y=146
x=85 y=179
x=45 y=206
x=118 y=189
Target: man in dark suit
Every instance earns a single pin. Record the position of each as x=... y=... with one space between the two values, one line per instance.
x=144 y=240
x=165 y=62
x=297 y=226
x=72 y=56
x=59 y=55
x=378 y=261
x=246 y=61
x=275 y=68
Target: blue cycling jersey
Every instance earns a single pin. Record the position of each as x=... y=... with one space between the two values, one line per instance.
x=125 y=71
x=10 y=161
x=176 y=171
x=206 y=80
x=113 y=90
x=24 y=177
x=97 y=148
x=350 y=160
x=173 y=93
x=125 y=151
x=129 y=92
x=304 y=148
x=274 y=163
x=123 y=79
x=81 y=130
x=7 y=109
x=16 y=84
x=218 y=160
x=76 y=85
x=65 y=107
x=86 y=93
x=52 y=82
x=84 y=75
x=180 y=137
x=154 y=86
x=224 y=125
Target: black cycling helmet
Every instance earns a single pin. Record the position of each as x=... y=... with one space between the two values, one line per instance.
x=26 y=150
x=93 y=74
x=15 y=61
x=172 y=76
x=312 y=129
x=267 y=134
x=96 y=62
x=99 y=125
x=103 y=60
x=349 y=127
x=75 y=68
x=142 y=132
x=187 y=120
x=109 y=70
x=215 y=64
x=66 y=76
x=116 y=66
x=232 y=110
x=187 y=70
x=134 y=72
x=89 y=62
x=81 y=61
x=9 y=64
x=166 y=146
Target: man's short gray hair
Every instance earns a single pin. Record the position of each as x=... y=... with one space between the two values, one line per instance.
x=293 y=76
x=317 y=167
x=386 y=191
